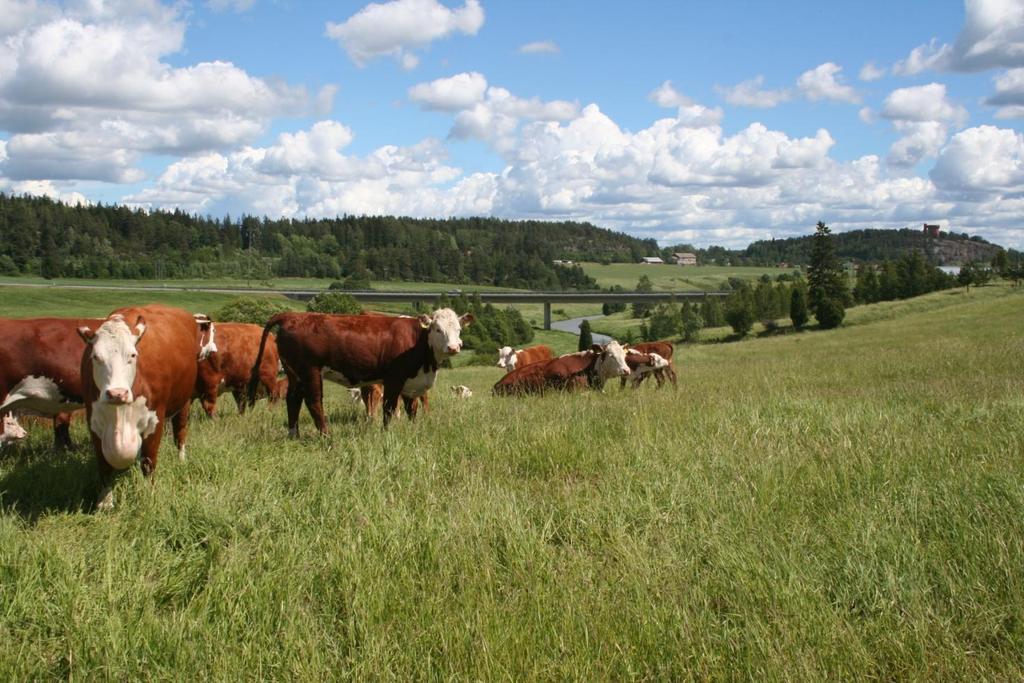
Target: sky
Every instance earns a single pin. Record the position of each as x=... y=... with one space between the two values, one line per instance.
x=685 y=121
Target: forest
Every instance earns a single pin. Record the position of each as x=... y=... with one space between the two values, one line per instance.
x=40 y=236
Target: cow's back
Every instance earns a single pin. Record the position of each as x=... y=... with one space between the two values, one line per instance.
x=662 y=348
x=237 y=345
x=42 y=347
x=533 y=354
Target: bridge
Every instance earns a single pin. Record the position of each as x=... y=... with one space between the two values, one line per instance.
x=506 y=297
x=379 y=296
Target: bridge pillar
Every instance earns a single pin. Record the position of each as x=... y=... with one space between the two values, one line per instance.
x=547 y=315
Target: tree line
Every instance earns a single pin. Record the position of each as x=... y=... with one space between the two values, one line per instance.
x=40 y=236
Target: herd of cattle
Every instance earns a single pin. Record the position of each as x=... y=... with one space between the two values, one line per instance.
x=143 y=365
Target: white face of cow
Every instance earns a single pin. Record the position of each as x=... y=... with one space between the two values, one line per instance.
x=613 y=361
x=507 y=358
x=445 y=330
x=114 y=357
x=11 y=431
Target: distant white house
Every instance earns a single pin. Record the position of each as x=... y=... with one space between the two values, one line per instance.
x=651 y=260
x=684 y=258
x=559 y=262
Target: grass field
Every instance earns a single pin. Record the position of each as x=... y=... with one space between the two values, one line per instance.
x=841 y=505
x=671 y=277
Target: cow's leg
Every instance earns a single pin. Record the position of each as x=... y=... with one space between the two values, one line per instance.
x=151 y=448
x=371 y=399
x=410 y=407
x=293 y=399
x=62 y=431
x=391 y=393
x=238 y=391
x=105 y=498
x=671 y=372
x=425 y=403
x=180 y=424
x=313 y=393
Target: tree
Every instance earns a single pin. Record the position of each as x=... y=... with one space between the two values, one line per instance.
x=826 y=279
x=642 y=310
x=711 y=312
x=255 y=310
x=798 y=307
x=1000 y=263
x=830 y=314
x=866 y=289
x=693 y=323
x=739 y=311
x=586 y=337
x=666 y=321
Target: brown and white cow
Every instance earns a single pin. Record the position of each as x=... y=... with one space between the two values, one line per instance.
x=40 y=371
x=462 y=391
x=138 y=369
x=663 y=349
x=229 y=369
x=511 y=359
x=400 y=352
x=574 y=370
x=643 y=364
x=10 y=430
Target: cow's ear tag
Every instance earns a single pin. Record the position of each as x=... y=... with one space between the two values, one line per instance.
x=425 y=320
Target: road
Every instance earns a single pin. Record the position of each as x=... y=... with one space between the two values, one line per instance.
x=573 y=325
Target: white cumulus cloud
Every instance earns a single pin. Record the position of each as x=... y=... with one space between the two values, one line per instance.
x=455 y=93
x=823 y=83
x=396 y=28
x=751 y=93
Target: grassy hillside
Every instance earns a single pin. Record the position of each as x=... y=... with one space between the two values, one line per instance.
x=832 y=505
x=672 y=277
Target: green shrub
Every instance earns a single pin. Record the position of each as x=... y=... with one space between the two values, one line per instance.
x=798 y=307
x=333 y=302
x=830 y=313
x=250 y=309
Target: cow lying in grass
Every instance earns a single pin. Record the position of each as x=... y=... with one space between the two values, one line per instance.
x=591 y=367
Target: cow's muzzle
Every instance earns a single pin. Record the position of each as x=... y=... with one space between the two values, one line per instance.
x=452 y=350
x=119 y=396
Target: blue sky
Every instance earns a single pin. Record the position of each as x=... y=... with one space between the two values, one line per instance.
x=709 y=123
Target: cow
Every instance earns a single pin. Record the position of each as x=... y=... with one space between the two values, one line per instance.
x=139 y=368
x=229 y=368
x=574 y=370
x=401 y=352
x=39 y=370
x=663 y=349
x=642 y=364
x=510 y=360
x=10 y=430
x=462 y=391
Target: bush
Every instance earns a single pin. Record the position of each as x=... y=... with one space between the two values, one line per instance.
x=830 y=313
x=333 y=302
x=739 y=313
x=693 y=323
x=250 y=309
x=586 y=339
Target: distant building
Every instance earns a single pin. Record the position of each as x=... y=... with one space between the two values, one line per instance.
x=559 y=262
x=684 y=258
x=651 y=260
x=930 y=230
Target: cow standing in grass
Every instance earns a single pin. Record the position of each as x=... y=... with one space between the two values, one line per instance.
x=663 y=349
x=40 y=370
x=400 y=352
x=229 y=369
x=139 y=369
x=511 y=359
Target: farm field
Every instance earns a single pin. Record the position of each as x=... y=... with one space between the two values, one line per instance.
x=672 y=277
x=828 y=505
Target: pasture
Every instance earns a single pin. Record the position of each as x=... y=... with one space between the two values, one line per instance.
x=827 y=505
x=673 y=277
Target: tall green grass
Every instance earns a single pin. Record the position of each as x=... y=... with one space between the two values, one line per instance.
x=835 y=505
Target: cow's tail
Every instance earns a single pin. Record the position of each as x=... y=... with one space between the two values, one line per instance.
x=254 y=376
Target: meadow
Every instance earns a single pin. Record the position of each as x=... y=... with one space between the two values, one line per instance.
x=826 y=505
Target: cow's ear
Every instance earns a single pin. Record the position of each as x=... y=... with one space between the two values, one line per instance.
x=466 y=319
x=597 y=348
x=87 y=335
x=425 y=320
x=140 y=328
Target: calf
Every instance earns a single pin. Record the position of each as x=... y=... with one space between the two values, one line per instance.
x=230 y=367
x=510 y=360
x=642 y=364
x=139 y=368
x=593 y=366
x=10 y=430
x=663 y=349
x=402 y=353
x=462 y=391
x=40 y=371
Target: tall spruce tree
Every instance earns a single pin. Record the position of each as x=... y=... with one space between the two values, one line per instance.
x=827 y=288
x=586 y=337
